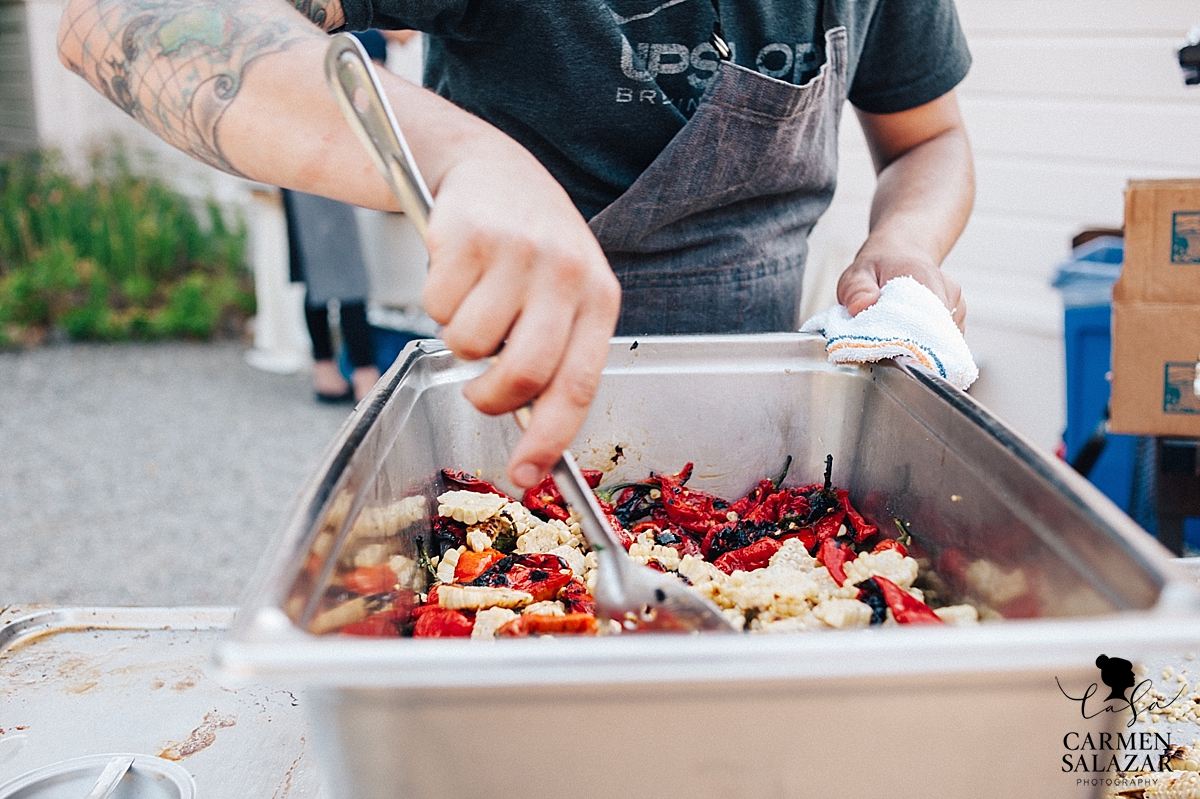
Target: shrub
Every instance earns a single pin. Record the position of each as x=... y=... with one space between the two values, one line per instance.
x=114 y=256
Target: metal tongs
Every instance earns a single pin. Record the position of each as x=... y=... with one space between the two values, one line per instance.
x=635 y=596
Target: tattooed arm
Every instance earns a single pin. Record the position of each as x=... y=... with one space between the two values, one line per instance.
x=176 y=66
x=240 y=84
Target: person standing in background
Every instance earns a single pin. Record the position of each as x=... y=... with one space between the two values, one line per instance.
x=325 y=253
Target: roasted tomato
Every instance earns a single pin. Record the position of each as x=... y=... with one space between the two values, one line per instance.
x=576 y=599
x=368 y=580
x=539 y=624
x=443 y=623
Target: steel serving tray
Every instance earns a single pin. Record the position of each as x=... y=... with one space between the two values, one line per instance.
x=78 y=684
x=899 y=712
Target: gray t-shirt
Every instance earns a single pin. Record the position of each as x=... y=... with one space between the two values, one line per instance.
x=596 y=88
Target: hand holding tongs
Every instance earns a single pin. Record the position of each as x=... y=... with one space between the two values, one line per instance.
x=635 y=596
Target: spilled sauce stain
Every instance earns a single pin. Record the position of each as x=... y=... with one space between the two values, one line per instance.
x=285 y=787
x=201 y=738
x=183 y=685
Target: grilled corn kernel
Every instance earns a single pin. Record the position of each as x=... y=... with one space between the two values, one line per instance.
x=1180 y=785
x=475 y=597
x=470 y=507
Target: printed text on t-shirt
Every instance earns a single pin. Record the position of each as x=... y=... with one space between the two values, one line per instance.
x=644 y=62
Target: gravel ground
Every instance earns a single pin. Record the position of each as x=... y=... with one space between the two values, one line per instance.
x=147 y=474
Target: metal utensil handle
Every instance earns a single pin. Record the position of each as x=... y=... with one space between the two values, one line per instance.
x=112 y=774
x=358 y=93
x=578 y=495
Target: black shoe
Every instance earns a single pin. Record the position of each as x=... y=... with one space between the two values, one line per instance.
x=345 y=398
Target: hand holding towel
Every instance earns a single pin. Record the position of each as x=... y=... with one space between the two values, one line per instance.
x=908 y=321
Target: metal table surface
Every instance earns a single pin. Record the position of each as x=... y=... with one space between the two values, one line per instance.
x=89 y=681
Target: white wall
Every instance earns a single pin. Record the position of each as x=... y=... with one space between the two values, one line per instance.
x=18 y=130
x=1066 y=100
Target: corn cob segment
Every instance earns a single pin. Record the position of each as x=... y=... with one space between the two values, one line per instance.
x=475 y=597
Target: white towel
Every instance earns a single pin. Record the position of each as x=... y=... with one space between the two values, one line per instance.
x=908 y=321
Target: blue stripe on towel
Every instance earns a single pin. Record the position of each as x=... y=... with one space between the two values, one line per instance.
x=878 y=340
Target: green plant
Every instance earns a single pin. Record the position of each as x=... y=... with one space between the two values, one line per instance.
x=115 y=256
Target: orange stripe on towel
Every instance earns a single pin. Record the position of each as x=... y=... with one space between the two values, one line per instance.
x=911 y=348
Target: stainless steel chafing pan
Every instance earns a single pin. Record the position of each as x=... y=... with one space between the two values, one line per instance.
x=892 y=712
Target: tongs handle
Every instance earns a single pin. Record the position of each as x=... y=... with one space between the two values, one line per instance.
x=356 y=88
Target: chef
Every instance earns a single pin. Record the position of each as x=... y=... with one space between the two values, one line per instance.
x=643 y=166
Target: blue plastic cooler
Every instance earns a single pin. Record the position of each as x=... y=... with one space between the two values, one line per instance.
x=1086 y=284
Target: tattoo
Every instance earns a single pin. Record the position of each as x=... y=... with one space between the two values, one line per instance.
x=176 y=65
x=325 y=16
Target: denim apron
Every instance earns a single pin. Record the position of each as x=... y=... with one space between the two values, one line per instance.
x=712 y=237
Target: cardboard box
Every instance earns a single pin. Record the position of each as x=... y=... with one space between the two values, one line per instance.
x=1156 y=312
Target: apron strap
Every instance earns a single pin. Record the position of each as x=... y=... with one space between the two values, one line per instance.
x=717 y=40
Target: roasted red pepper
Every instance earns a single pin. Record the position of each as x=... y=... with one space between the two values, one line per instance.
x=834 y=555
x=448 y=534
x=443 y=623
x=756 y=556
x=541 y=624
x=368 y=580
x=890 y=543
x=545 y=500
x=765 y=511
x=471 y=564
x=743 y=506
x=650 y=526
x=711 y=536
x=789 y=504
x=805 y=536
x=688 y=508
x=689 y=546
x=827 y=526
x=541 y=575
x=859 y=526
x=457 y=480
x=906 y=609
x=613 y=522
